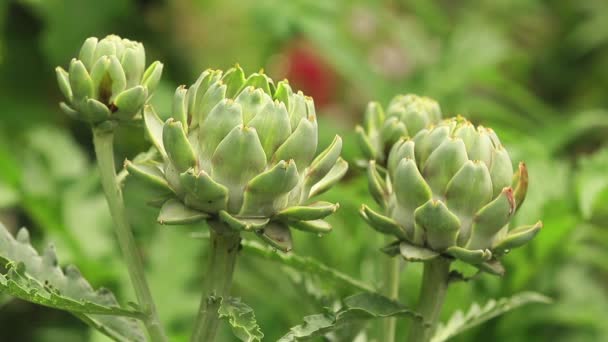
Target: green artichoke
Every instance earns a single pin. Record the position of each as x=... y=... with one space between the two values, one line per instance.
x=406 y=115
x=108 y=81
x=240 y=153
x=450 y=190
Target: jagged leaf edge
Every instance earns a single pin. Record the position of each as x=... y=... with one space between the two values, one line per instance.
x=105 y=314
x=476 y=315
x=241 y=318
x=321 y=324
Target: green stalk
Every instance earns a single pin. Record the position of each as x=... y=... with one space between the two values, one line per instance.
x=103 y=140
x=434 y=287
x=224 y=248
x=391 y=290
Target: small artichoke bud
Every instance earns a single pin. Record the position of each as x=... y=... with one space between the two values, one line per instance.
x=241 y=151
x=108 y=73
x=405 y=116
x=450 y=190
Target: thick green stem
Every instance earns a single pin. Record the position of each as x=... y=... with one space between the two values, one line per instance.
x=103 y=141
x=434 y=287
x=391 y=290
x=224 y=248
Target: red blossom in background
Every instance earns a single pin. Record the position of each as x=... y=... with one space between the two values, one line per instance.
x=307 y=71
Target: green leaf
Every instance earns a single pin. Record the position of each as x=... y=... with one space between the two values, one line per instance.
x=592 y=185
x=359 y=307
x=477 y=315
x=241 y=318
x=38 y=279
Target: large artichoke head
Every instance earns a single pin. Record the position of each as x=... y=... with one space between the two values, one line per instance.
x=450 y=191
x=239 y=152
x=406 y=115
x=108 y=81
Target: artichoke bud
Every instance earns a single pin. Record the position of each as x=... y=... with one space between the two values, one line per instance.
x=111 y=73
x=242 y=152
x=448 y=192
x=405 y=116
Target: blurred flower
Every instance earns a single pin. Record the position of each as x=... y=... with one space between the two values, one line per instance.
x=389 y=60
x=306 y=70
x=363 y=23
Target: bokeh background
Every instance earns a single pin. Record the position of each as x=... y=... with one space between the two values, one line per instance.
x=535 y=71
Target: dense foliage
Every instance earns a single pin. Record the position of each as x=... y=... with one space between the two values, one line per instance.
x=535 y=71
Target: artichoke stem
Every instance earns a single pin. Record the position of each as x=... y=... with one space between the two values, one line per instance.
x=432 y=294
x=223 y=252
x=103 y=139
x=391 y=289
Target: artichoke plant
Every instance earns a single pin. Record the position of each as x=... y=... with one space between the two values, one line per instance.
x=239 y=152
x=406 y=115
x=108 y=80
x=450 y=191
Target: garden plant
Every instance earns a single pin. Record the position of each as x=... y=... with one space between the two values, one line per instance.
x=238 y=158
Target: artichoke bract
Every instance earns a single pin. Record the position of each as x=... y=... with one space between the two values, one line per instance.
x=241 y=152
x=108 y=81
x=406 y=115
x=450 y=191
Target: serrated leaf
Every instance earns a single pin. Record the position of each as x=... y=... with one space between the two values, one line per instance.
x=38 y=279
x=356 y=308
x=476 y=315
x=241 y=318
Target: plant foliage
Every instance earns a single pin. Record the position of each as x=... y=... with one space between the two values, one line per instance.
x=39 y=279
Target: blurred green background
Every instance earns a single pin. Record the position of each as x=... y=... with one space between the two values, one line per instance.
x=535 y=71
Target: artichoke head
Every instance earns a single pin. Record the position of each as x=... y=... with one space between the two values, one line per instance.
x=450 y=190
x=240 y=151
x=406 y=115
x=108 y=81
